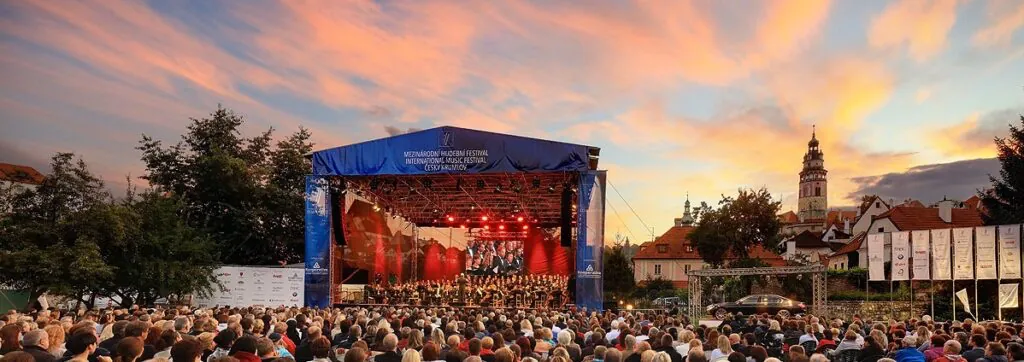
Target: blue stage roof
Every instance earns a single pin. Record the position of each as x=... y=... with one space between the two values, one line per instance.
x=447 y=150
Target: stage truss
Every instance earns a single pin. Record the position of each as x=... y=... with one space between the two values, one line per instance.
x=819 y=293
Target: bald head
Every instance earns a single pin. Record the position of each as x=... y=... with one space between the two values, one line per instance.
x=38 y=338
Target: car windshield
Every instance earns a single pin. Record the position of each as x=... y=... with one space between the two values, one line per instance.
x=749 y=299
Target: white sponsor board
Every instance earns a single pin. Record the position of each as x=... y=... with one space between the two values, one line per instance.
x=258 y=286
x=876 y=256
x=921 y=252
x=940 y=255
x=901 y=255
x=963 y=254
x=1009 y=251
x=985 y=252
x=1008 y=295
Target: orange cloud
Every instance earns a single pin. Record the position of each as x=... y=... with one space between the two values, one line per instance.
x=920 y=25
x=1005 y=19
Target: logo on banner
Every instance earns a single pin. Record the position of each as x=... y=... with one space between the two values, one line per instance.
x=589 y=272
x=447 y=139
x=316 y=265
x=590 y=267
x=900 y=258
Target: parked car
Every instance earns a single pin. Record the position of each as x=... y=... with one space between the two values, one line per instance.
x=757 y=304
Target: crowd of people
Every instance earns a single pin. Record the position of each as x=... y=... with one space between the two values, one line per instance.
x=532 y=290
x=413 y=334
x=494 y=257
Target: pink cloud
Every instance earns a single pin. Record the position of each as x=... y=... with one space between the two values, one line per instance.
x=919 y=25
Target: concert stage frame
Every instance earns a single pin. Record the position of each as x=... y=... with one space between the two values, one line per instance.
x=448 y=171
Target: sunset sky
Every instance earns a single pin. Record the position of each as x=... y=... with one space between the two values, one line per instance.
x=682 y=96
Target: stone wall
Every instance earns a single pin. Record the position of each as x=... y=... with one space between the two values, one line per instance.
x=876 y=310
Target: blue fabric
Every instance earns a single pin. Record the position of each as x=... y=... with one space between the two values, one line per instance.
x=590 y=241
x=318 y=242
x=910 y=354
x=450 y=150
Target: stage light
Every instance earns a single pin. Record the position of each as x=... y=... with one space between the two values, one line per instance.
x=519 y=219
x=487 y=227
x=463 y=226
x=484 y=218
x=344 y=192
x=551 y=189
x=497 y=189
x=376 y=208
x=526 y=227
x=501 y=227
x=451 y=218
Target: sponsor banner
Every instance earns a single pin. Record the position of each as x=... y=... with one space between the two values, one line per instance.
x=255 y=286
x=876 y=257
x=901 y=255
x=1008 y=295
x=963 y=253
x=941 y=257
x=318 y=243
x=920 y=251
x=590 y=241
x=1009 y=252
x=985 y=252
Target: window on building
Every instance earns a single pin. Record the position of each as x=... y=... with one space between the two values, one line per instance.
x=842 y=265
x=657 y=269
x=878 y=205
x=686 y=268
x=662 y=248
x=817 y=191
x=881 y=230
x=689 y=248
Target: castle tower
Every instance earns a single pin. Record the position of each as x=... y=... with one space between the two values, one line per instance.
x=813 y=202
x=687 y=219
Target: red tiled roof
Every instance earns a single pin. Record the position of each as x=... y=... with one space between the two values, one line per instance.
x=20 y=174
x=911 y=203
x=789 y=217
x=913 y=218
x=675 y=243
x=852 y=246
x=808 y=239
x=837 y=216
x=973 y=202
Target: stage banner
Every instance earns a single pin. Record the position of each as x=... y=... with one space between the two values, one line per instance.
x=920 y=251
x=318 y=243
x=985 y=252
x=901 y=255
x=963 y=253
x=446 y=149
x=1009 y=251
x=1008 y=295
x=876 y=257
x=590 y=241
x=255 y=286
x=941 y=259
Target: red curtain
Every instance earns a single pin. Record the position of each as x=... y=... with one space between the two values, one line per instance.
x=545 y=255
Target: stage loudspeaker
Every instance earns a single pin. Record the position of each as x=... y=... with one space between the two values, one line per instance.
x=337 y=200
x=566 y=217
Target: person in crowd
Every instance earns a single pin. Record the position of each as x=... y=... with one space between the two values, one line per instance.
x=797 y=354
x=244 y=349
x=849 y=342
x=977 y=344
x=390 y=354
x=723 y=350
x=1015 y=351
x=128 y=349
x=951 y=352
x=82 y=345
x=266 y=349
x=909 y=351
x=994 y=352
x=223 y=341
x=190 y=350
x=938 y=344
x=163 y=345
x=56 y=334
x=10 y=336
x=17 y=356
x=36 y=343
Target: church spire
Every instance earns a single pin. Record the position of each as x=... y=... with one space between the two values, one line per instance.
x=687 y=219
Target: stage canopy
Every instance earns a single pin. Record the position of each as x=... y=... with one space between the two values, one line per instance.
x=449 y=149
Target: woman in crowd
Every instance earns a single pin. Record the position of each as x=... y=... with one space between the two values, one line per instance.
x=10 y=335
x=56 y=335
x=129 y=349
x=723 y=350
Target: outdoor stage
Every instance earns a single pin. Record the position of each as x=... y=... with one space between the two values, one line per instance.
x=413 y=212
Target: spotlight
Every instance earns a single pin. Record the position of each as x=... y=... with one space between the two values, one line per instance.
x=451 y=218
x=497 y=189
x=463 y=226
x=526 y=227
x=484 y=218
x=376 y=208
x=501 y=227
x=551 y=189
x=487 y=227
x=519 y=219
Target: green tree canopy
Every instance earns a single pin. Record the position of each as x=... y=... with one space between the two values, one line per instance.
x=1004 y=203
x=618 y=276
x=737 y=224
x=246 y=194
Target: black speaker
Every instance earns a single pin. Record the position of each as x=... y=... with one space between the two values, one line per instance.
x=337 y=200
x=566 y=217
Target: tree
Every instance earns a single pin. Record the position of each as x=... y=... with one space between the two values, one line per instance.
x=247 y=195
x=655 y=288
x=1004 y=203
x=737 y=225
x=158 y=255
x=48 y=241
x=618 y=276
x=865 y=202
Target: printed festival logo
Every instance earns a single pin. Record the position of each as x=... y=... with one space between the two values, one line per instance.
x=447 y=139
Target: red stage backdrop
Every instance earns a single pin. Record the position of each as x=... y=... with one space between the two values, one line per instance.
x=384 y=246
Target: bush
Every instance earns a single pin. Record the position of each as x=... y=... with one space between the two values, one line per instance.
x=860 y=296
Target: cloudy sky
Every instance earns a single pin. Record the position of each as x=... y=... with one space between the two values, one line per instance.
x=683 y=96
